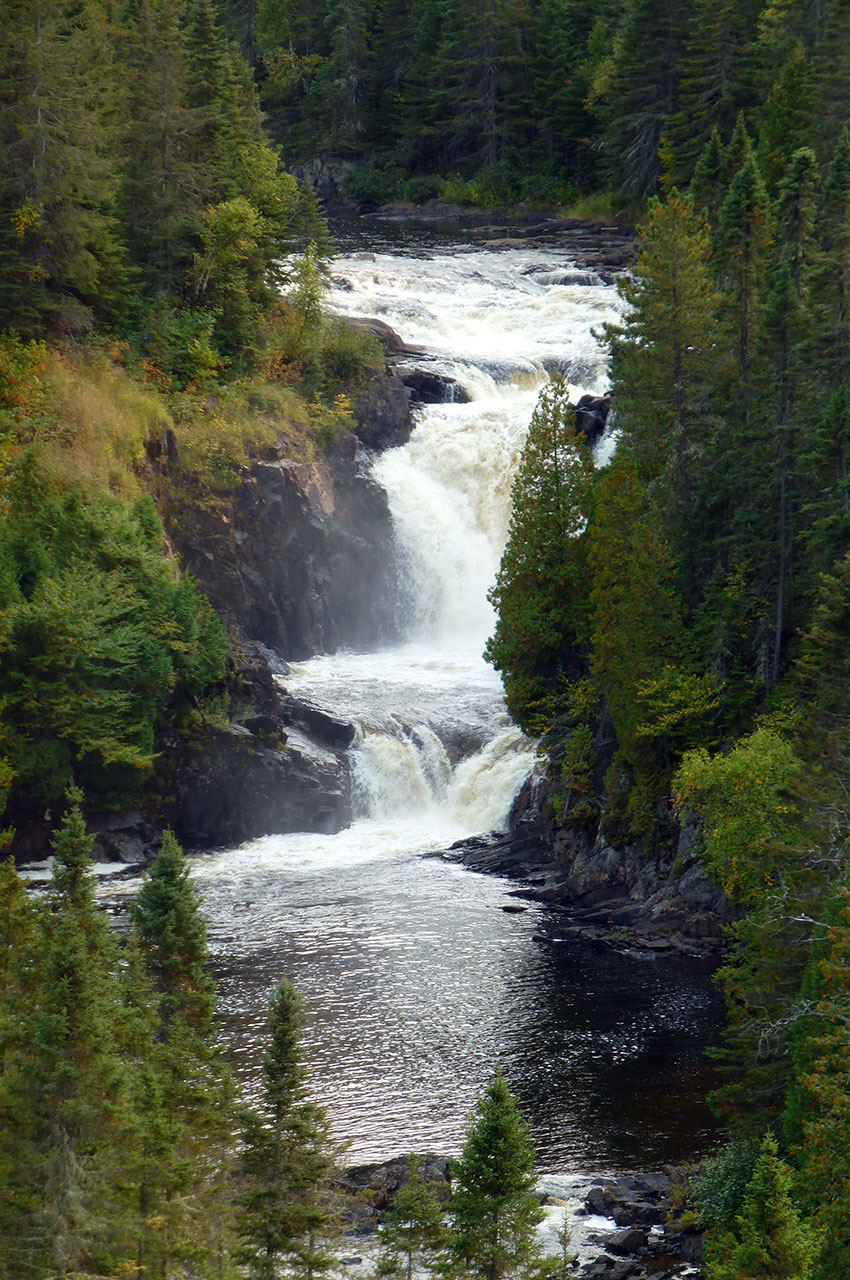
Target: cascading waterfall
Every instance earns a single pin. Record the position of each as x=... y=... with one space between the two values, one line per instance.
x=435 y=743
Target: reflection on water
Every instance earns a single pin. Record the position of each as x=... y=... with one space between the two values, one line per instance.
x=417 y=983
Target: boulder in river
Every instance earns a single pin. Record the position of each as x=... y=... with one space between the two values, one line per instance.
x=591 y=417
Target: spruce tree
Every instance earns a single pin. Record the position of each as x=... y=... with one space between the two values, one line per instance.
x=769 y=1241
x=494 y=1211
x=643 y=94
x=666 y=365
x=741 y=242
x=541 y=592
x=173 y=934
x=637 y=630
x=822 y=1092
x=20 y=988
x=783 y=329
x=282 y=1214
x=713 y=76
x=706 y=187
x=189 y=1081
x=65 y=1088
x=60 y=246
x=413 y=1232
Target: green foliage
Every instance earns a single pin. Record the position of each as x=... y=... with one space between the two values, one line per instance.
x=413 y=1233
x=541 y=590
x=633 y=593
x=666 y=360
x=283 y=1212
x=115 y=1134
x=818 y=1113
x=96 y=632
x=722 y=1182
x=63 y=1087
x=494 y=1211
x=172 y=934
x=769 y=1241
x=747 y=811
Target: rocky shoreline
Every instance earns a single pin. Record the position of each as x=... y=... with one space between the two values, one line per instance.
x=606 y=248
x=623 y=1227
x=614 y=897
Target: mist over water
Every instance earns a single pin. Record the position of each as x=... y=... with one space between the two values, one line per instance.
x=415 y=979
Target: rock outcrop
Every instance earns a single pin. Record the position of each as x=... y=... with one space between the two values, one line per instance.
x=661 y=900
x=299 y=557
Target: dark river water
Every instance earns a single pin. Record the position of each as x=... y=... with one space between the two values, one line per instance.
x=417 y=983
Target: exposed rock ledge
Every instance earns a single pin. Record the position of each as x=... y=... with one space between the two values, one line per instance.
x=297 y=559
x=661 y=901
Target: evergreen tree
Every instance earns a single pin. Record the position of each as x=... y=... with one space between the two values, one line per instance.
x=644 y=90
x=713 y=77
x=19 y=990
x=785 y=117
x=782 y=333
x=770 y=1242
x=339 y=93
x=706 y=188
x=64 y=1090
x=474 y=69
x=831 y=72
x=633 y=595
x=413 y=1232
x=155 y=1125
x=168 y=170
x=187 y=1080
x=60 y=247
x=541 y=591
x=494 y=1210
x=283 y=1212
x=742 y=239
x=822 y=1094
x=740 y=148
x=665 y=362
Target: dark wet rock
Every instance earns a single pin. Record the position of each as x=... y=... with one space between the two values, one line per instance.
x=378 y=1184
x=232 y=787
x=326 y=175
x=689 y=1246
x=427 y=386
x=600 y=1200
x=591 y=417
x=299 y=555
x=123 y=837
x=382 y=411
x=605 y=1268
x=391 y=343
x=629 y=1240
x=328 y=729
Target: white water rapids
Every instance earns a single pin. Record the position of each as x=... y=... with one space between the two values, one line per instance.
x=437 y=758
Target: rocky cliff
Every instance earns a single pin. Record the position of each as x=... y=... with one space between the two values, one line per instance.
x=297 y=558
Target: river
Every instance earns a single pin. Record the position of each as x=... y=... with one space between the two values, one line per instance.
x=416 y=980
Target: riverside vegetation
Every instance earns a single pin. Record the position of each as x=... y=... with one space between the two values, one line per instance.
x=674 y=625
x=122 y=1149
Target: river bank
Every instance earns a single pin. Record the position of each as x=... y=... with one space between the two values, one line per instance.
x=660 y=902
x=627 y=1227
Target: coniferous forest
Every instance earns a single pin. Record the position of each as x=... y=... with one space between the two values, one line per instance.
x=674 y=627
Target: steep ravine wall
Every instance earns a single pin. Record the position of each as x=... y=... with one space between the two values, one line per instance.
x=297 y=559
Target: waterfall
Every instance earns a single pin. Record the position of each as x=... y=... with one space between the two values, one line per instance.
x=436 y=750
